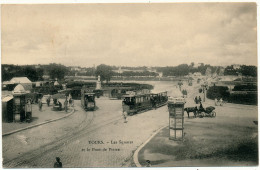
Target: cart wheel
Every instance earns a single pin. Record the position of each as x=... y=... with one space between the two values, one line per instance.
x=214 y=114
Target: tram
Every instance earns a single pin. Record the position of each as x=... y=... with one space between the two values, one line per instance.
x=135 y=102
x=117 y=93
x=88 y=100
x=159 y=99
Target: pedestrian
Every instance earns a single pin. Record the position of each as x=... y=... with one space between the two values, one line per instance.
x=48 y=101
x=66 y=105
x=201 y=108
x=216 y=101
x=70 y=102
x=148 y=163
x=199 y=99
x=28 y=109
x=125 y=116
x=40 y=105
x=196 y=100
x=55 y=101
x=221 y=102
x=60 y=105
x=58 y=163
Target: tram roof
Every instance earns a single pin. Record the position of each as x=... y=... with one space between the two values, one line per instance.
x=133 y=95
x=89 y=93
x=158 y=92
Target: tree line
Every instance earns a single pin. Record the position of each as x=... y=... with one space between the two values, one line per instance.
x=58 y=71
x=34 y=73
x=243 y=70
x=10 y=71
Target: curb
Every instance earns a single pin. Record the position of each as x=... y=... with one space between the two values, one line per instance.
x=140 y=147
x=39 y=124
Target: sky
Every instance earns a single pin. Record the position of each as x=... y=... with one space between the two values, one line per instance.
x=154 y=34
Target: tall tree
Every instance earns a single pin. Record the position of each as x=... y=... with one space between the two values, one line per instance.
x=57 y=71
x=30 y=73
x=249 y=70
x=105 y=72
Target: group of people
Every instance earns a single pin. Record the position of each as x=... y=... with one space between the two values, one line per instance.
x=197 y=100
x=218 y=102
x=56 y=102
x=184 y=92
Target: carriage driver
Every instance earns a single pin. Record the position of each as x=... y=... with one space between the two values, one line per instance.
x=201 y=108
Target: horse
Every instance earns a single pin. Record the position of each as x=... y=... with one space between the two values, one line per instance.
x=191 y=109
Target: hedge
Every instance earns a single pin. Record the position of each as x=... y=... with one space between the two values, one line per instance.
x=218 y=92
x=245 y=88
x=249 y=98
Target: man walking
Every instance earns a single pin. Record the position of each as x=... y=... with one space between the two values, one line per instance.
x=28 y=108
x=48 y=101
x=125 y=116
x=40 y=105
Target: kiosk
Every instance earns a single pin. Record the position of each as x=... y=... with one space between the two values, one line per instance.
x=176 y=118
x=19 y=103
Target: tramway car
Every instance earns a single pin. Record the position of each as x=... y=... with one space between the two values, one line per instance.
x=134 y=102
x=117 y=93
x=159 y=99
x=88 y=100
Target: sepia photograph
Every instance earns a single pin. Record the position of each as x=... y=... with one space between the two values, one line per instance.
x=128 y=85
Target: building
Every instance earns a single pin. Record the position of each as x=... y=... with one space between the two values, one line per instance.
x=75 y=68
x=7 y=109
x=196 y=74
x=24 y=81
x=236 y=66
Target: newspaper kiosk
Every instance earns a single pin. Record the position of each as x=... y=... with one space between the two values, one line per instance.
x=176 y=118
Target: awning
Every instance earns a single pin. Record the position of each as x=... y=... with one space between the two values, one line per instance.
x=6 y=99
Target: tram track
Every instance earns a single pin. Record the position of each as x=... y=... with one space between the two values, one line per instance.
x=84 y=124
x=28 y=157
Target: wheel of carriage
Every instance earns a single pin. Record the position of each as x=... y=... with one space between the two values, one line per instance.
x=213 y=114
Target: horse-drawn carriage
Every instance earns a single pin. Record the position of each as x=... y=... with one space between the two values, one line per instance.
x=208 y=112
x=201 y=112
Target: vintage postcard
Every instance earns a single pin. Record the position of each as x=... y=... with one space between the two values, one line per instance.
x=115 y=85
